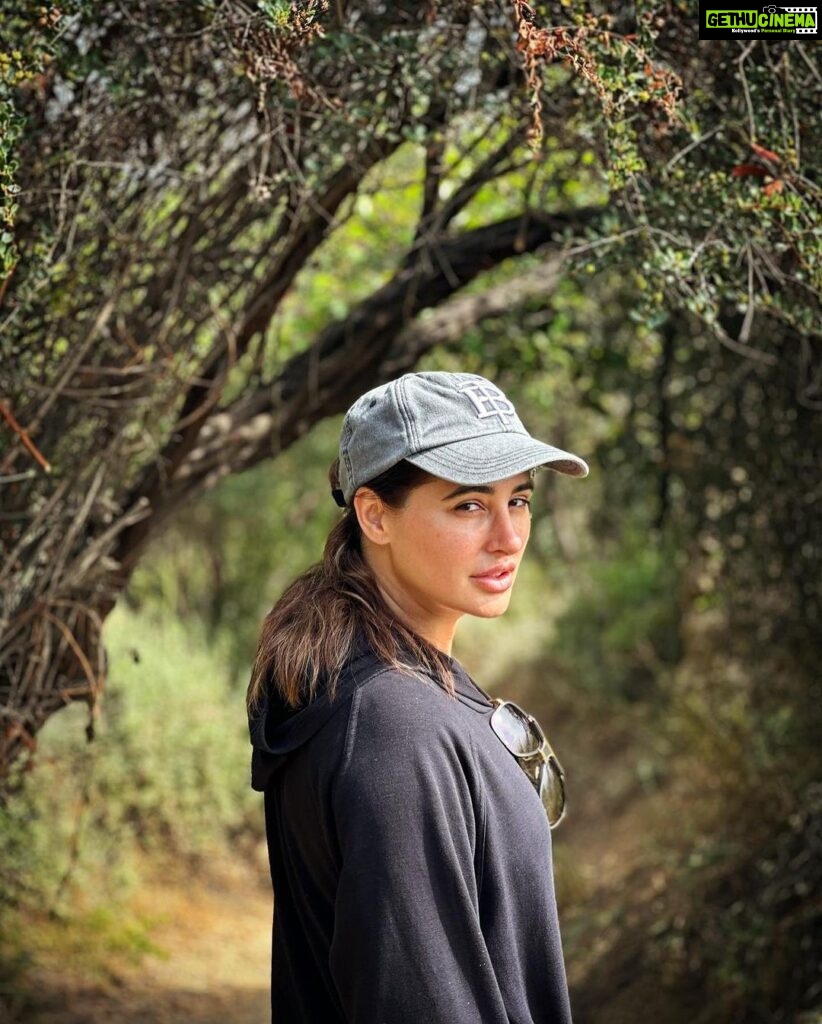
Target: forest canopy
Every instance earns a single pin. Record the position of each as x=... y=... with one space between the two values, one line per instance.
x=173 y=177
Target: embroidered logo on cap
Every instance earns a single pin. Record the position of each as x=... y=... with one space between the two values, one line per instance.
x=487 y=400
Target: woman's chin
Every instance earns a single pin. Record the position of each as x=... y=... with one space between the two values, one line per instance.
x=493 y=607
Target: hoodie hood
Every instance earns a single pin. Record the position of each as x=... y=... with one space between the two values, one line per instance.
x=277 y=729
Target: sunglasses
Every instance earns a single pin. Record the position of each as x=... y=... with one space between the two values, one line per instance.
x=524 y=738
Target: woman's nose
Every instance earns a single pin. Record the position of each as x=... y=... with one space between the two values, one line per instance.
x=507 y=534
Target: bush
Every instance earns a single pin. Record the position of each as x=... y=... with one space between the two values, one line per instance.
x=620 y=633
x=167 y=774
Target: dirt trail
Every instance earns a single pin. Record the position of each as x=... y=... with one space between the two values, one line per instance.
x=210 y=961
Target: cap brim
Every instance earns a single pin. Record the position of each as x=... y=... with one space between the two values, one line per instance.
x=490 y=457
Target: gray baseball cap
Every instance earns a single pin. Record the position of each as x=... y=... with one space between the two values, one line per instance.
x=458 y=426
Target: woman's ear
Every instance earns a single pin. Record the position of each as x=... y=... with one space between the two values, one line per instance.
x=371 y=514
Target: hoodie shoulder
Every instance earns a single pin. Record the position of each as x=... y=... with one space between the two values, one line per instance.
x=404 y=717
x=277 y=730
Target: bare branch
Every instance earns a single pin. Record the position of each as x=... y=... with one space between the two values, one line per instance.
x=304 y=238
x=351 y=354
x=76 y=359
x=450 y=321
x=28 y=444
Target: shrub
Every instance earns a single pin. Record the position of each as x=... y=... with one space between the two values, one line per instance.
x=167 y=773
x=620 y=633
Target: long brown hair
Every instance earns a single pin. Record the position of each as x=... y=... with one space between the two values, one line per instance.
x=311 y=631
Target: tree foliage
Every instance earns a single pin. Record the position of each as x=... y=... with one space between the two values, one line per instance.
x=174 y=312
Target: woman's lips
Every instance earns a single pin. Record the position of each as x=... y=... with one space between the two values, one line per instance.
x=497 y=580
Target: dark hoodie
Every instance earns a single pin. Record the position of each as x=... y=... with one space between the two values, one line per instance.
x=410 y=858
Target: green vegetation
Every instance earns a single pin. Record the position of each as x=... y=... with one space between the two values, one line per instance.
x=620 y=636
x=165 y=777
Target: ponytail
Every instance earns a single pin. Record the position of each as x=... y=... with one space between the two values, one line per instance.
x=310 y=633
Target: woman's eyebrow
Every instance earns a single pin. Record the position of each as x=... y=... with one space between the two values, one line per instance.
x=526 y=485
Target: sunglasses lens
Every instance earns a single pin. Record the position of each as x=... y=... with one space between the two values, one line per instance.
x=515 y=731
x=525 y=739
x=552 y=791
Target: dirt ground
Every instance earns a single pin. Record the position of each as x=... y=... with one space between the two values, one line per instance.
x=208 y=963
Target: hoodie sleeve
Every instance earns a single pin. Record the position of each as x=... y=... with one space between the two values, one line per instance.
x=408 y=809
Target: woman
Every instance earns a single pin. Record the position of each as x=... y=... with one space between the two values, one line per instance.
x=405 y=811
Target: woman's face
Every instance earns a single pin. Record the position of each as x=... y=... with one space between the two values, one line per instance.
x=449 y=551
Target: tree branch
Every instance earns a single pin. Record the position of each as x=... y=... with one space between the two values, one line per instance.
x=305 y=236
x=374 y=342
x=449 y=321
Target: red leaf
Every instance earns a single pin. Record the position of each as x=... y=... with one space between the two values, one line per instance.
x=743 y=170
x=766 y=154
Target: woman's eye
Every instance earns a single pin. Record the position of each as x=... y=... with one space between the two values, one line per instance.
x=468 y=506
x=521 y=502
